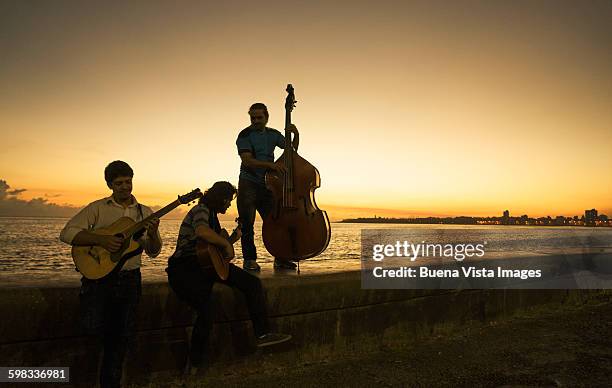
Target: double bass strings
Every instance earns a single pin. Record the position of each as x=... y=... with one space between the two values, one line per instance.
x=288 y=178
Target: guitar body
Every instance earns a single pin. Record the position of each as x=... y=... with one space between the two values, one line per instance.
x=96 y=262
x=209 y=254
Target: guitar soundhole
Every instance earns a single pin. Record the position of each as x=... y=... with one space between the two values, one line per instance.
x=93 y=252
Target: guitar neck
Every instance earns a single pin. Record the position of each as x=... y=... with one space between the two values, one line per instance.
x=158 y=214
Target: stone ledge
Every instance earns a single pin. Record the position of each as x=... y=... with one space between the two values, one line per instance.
x=326 y=313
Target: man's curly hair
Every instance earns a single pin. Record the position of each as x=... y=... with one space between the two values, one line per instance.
x=217 y=194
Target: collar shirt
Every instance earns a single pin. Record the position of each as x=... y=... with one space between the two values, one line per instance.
x=103 y=213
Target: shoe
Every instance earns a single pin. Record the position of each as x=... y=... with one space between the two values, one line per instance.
x=195 y=369
x=272 y=339
x=251 y=265
x=284 y=264
x=190 y=370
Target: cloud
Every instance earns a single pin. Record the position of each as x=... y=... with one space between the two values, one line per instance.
x=15 y=192
x=12 y=206
x=3 y=189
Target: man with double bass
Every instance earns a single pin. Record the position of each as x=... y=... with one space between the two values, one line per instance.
x=256 y=145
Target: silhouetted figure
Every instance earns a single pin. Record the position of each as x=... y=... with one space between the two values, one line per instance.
x=256 y=145
x=108 y=305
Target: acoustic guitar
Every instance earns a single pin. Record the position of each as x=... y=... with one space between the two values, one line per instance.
x=210 y=254
x=95 y=262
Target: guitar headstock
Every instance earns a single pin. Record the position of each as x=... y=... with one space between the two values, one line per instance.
x=290 y=100
x=191 y=196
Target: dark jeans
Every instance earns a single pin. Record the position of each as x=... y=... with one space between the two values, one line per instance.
x=251 y=197
x=108 y=310
x=194 y=286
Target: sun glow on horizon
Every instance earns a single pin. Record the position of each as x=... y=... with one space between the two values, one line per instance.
x=422 y=113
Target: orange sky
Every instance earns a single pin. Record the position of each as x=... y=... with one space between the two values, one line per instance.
x=441 y=108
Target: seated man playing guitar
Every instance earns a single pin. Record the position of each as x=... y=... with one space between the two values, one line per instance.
x=108 y=305
x=191 y=273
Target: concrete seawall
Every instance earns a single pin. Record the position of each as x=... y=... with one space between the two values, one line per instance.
x=327 y=314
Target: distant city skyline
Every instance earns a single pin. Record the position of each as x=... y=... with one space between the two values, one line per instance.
x=589 y=218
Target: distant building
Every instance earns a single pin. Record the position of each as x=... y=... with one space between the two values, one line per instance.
x=560 y=220
x=506 y=218
x=590 y=216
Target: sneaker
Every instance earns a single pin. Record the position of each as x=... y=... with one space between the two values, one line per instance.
x=284 y=264
x=195 y=369
x=251 y=265
x=190 y=370
x=272 y=339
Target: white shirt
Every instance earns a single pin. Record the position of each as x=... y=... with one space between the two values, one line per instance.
x=104 y=212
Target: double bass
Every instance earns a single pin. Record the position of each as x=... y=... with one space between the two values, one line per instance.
x=295 y=229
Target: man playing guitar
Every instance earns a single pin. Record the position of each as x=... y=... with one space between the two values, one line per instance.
x=192 y=277
x=108 y=305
